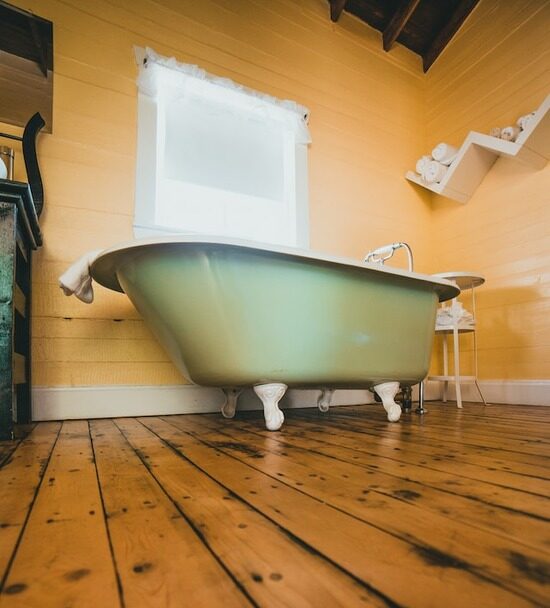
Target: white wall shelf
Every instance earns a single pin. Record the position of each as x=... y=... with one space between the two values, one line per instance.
x=479 y=152
x=463 y=328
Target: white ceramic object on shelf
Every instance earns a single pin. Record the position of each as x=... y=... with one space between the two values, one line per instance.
x=479 y=152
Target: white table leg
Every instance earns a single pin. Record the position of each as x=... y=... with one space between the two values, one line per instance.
x=456 y=347
x=445 y=367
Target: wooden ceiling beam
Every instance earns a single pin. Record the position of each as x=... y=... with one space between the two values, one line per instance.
x=336 y=9
x=447 y=32
x=398 y=22
x=40 y=50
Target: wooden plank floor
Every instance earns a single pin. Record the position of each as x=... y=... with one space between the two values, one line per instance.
x=337 y=509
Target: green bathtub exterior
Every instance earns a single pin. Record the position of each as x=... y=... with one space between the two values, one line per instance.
x=232 y=316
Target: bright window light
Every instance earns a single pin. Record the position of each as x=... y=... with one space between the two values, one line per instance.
x=216 y=158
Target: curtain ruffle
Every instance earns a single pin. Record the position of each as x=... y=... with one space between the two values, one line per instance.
x=158 y=73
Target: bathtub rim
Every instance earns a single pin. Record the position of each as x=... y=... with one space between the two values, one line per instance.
x=103 y=269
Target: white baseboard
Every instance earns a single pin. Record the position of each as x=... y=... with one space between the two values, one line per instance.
x=66 y=403
x=514 y=392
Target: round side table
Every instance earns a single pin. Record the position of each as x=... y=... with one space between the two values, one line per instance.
x=463 y=280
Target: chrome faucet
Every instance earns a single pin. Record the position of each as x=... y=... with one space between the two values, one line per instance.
x=380 y=255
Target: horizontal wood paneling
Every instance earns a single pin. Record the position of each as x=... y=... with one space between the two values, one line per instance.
x=495 y=70
x=97 y=349
x=104 y=373
x=124 y=329
x=366 y=123
x=372 y=113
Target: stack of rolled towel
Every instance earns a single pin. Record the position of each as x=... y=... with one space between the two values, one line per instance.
x=449 y=315
x=512 y=132
x=432 y=168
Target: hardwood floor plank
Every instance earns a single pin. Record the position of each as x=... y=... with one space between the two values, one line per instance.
x=338 y=509
x=481 y=418
x=499 y=412
x=350 y=436
x=521 y=440
x=343 y=486
x=419 y=442
x=363 y=420
x=272 y=568
x=19 y=480
x=64 y=557
x=363 y=549
x=403 y=466
x=443 y=414
x=487 y=424
x=489 y=458
x=6 y=450
x=160 y=558
x=409 y=488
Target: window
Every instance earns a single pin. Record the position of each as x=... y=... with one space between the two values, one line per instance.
x=216 y=158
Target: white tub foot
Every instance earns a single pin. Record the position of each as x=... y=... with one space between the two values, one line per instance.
x=325 y=399
x=230 y=405
x=271 y=394
x=387 y=392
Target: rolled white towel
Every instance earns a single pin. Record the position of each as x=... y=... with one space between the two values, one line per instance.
x=434 y=172
x=524 y=121
x=509 y=133
x=444 y=316
x=444 y=153
x=495 y=132
x=449 y=315
x=77 y=280
x=422 y=162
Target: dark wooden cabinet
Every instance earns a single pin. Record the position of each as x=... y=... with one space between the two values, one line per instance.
x=19 y=236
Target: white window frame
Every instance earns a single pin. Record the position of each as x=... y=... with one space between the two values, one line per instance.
x=150 y=184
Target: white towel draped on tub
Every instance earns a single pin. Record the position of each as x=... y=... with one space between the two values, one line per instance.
x=444 y=153
x=433 y=172
x=77 y=281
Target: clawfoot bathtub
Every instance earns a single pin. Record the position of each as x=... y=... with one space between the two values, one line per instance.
x=233 y=314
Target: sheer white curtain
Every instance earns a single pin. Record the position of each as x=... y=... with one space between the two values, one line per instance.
x=227 y=160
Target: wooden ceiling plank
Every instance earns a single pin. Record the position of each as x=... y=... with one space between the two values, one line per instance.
x=447 y=32
x=398 y=22
x=336 y=9
x=42 y=57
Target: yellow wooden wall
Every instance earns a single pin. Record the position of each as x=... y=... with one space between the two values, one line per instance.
x=366 y=121
x=497 y=68
x=372 y=114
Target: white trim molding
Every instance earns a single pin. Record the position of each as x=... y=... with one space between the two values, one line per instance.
x=513 y=392
x=77 y=402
